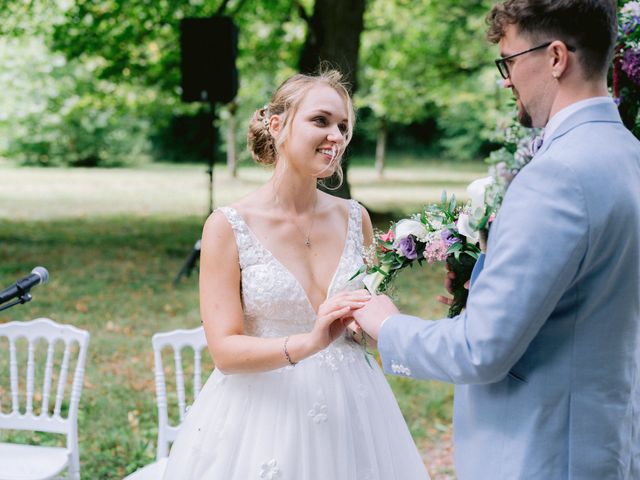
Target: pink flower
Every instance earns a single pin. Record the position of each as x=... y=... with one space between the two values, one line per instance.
x=388 y=237
x=436 y=251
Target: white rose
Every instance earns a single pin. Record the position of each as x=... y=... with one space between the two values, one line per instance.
x=632 y=8
x=372 y=282
x=406 y=227
x=476 y=190
x=464 y=227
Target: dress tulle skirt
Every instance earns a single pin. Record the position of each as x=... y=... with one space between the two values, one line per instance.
x=331 y=417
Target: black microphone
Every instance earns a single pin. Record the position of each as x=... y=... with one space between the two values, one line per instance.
x=37 y=276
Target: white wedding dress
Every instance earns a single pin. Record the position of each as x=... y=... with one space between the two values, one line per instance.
x=331 y=417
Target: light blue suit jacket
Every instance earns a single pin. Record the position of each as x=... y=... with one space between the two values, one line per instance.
x=546 y=356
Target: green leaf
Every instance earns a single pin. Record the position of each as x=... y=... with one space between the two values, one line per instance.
x=362 y=269
x=456 y=247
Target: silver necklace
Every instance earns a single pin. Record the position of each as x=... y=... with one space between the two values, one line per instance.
x=307 y=237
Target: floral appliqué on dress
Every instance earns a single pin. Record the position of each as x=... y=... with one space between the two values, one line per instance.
x=269 y=470
x=319 y=413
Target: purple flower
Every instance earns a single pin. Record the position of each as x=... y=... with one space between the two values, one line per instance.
x=630 y=26
x=631 y=65
x=448 y=238
x=408 y=248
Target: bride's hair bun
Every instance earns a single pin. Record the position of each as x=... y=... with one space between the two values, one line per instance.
x=259 y=140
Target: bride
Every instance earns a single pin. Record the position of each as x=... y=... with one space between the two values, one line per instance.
x=292 y=396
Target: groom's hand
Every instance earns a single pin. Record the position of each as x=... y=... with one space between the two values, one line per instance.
x=448 y=285
x=374 y=313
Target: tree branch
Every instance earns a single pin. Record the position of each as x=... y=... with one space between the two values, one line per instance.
x=222 y=7
x=302 y=12
x=238 y=7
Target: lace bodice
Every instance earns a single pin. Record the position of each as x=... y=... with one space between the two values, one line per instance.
x=274 y=302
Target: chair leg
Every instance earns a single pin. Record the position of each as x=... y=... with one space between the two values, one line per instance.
x=74 y=467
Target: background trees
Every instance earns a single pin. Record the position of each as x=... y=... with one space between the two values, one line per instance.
x=426 y=61
x=97 y=82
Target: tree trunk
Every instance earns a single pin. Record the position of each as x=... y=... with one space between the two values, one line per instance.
x=381 y=147
x=334 y=38
x=232 y=157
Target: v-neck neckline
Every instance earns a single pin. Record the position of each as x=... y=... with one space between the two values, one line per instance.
x=289 y=272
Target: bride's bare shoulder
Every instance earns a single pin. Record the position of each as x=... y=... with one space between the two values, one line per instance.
x=249 y=205
x=334 y=204
x=218 y=229
x=344 y=206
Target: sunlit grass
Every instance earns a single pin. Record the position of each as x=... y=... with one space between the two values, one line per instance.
x=40 y=193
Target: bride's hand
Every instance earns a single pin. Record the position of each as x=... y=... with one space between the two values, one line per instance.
x=355 y=332
x=334 y=315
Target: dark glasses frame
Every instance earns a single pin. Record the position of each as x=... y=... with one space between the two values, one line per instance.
x=501 y=63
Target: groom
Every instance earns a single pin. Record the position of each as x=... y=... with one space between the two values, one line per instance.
x=546 y=357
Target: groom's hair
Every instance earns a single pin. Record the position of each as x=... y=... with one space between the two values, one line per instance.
x=590 y=26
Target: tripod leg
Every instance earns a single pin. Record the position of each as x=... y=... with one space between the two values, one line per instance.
x=189 y=263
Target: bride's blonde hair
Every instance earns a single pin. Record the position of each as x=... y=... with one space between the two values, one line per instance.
x=285 y=102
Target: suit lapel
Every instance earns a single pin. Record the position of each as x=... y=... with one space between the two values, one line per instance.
x=604 y=112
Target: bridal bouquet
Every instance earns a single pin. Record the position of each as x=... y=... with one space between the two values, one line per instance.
x=439 y=233
x=449 y=232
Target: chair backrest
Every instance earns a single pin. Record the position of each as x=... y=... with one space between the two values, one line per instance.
x=20 y=412
x=177 y=340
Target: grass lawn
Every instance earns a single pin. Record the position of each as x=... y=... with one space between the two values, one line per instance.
x=113 y=240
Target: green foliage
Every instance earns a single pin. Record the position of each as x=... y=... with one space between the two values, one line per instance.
x=137 y=44
x=430 y=59
x=114 y=100
x=56 y=113
x=31 y=18
x=393 y=70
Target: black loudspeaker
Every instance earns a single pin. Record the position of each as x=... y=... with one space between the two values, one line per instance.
x=208 y=59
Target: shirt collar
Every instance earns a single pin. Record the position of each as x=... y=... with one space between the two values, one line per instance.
x=560 y=116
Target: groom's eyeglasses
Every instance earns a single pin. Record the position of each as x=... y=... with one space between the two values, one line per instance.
x=501 y=63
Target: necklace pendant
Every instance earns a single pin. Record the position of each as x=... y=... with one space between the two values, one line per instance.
x=307 y=242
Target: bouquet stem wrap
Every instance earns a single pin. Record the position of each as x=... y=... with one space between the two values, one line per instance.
x=462 y=267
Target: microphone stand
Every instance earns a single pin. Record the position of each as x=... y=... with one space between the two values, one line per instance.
x=24 y=298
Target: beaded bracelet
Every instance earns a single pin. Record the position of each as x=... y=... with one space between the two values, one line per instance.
x=286 y=353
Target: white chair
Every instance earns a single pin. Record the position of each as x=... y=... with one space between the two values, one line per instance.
x=177 y=340
x=19 y=461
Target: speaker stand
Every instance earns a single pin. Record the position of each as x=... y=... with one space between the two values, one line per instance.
x=193 y=257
